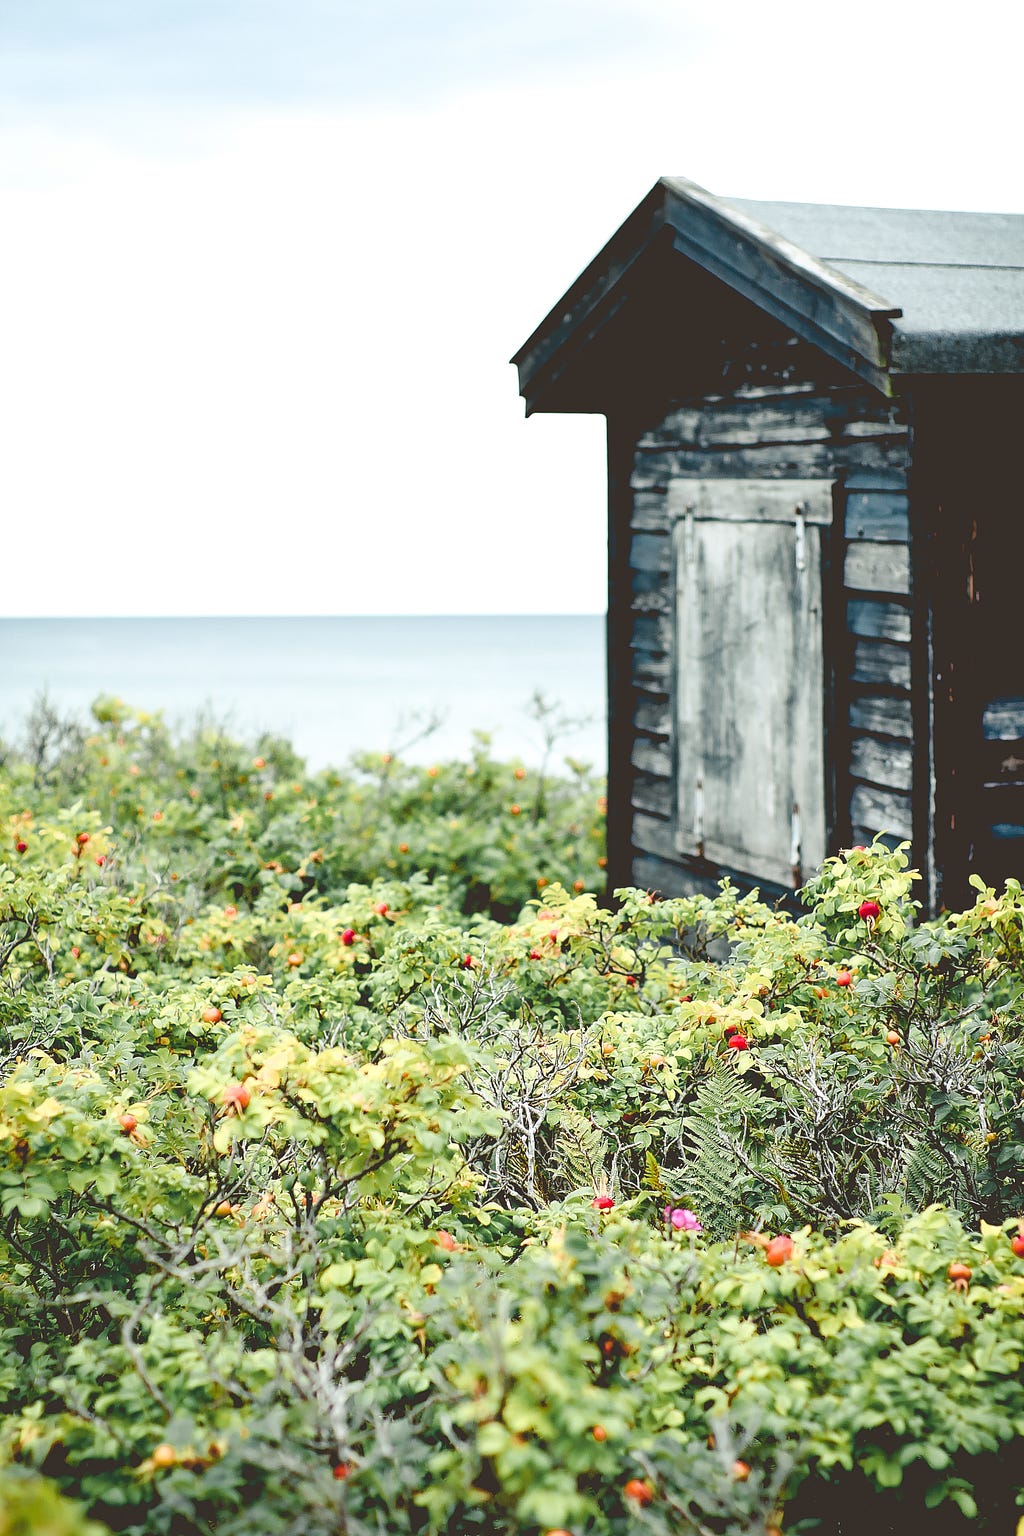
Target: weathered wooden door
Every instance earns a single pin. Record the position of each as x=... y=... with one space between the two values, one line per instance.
x=750 y=675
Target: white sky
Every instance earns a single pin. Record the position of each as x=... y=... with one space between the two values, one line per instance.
x=254 y=342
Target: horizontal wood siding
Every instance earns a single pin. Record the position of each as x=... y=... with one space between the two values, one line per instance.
x=877 y=621
x=771 y=425
x=877 y=567
x=882 y=762
x=1003 y=719
x=875 y=661
x=879 y=755
x=649 y=714
x=885 y=716
x=669 y=878
x=654 y=793
x=653 y=755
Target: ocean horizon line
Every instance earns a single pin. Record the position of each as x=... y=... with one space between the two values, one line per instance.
x=291 y=618
x=331 y=683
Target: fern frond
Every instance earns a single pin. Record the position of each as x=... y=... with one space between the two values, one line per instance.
x=578 y=1153
x=713 y=1180
x=654 y=1179
x=928 y=1177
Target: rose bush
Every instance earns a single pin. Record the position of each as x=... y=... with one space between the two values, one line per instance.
x=347 y=1188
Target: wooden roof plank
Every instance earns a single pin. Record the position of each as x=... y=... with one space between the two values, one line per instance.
x=818 y=303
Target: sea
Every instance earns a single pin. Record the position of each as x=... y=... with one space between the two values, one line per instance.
x=420 y=687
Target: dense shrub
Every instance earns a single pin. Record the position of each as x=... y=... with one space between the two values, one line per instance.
x=223 y=819
x=333 y=1199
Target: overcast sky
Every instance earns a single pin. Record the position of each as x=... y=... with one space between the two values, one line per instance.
x=264 y=263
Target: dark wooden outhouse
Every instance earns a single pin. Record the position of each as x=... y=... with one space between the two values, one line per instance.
x=815 y=534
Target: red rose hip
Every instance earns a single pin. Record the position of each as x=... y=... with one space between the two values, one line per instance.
x=779 y=1251
x=638 y=1491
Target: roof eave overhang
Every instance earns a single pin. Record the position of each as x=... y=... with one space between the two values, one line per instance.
x=816 y=302
x=585 y=308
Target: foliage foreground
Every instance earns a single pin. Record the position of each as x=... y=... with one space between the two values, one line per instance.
x=355 y=1178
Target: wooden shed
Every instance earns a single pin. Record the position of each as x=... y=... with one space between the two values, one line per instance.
x=815 y=534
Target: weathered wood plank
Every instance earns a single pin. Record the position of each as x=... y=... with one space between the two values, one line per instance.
x=878 y=621
x=653 y=794
x=790 y=461
x=653 y=715
x=886 y=717
x=653 y=834
x=652 y=670
x=651 y=592
x=751 y=501
x=775 y=391
x=651 y=873
x=655 y=600
x=652 y=755
x=741 y=422
x=889 y=428
x=876 y=456
x=744 y=397
x=893 y=478
x=880 y=515
x=876 y=661
x=882 y=762
x=650 y=551
x=880 y=810
x=779 y=389
x=652 y=632
x=652 y=518
x=1003 y=720
x=647 y=514
x=679 y=426
x=779 y=430
x=653 y=691
x=877 y=568
x=648 y=581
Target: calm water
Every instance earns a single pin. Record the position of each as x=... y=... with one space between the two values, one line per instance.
x=332 y=685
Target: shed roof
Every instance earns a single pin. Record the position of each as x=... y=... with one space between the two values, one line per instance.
x=957 y=278
x=886 y=291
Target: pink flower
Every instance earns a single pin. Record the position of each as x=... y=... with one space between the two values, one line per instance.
x=682 y=1220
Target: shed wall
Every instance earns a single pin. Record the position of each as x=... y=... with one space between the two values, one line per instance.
x=769 y=420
